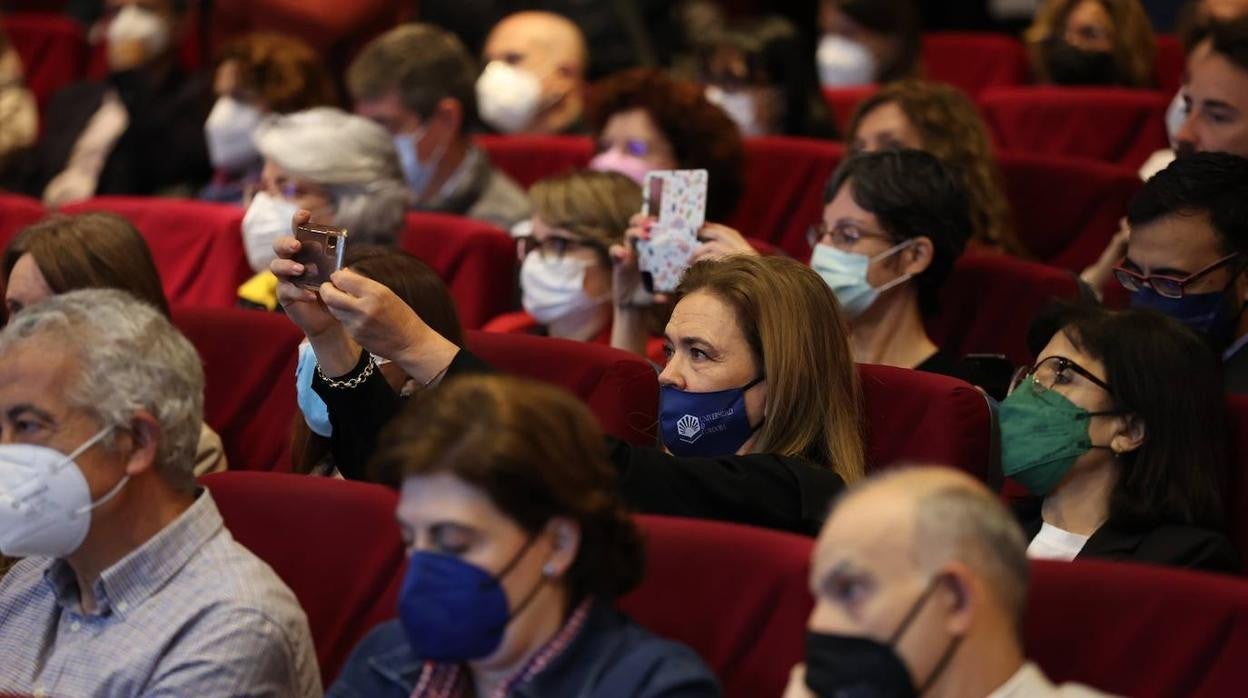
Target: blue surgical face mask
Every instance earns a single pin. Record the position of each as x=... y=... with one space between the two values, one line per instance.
x=315 y=413
x=705 y=424
x=453 y=611
x=846 y=274
x=1211 y=315
x=416 y=171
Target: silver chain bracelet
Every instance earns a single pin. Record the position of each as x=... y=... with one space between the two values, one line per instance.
x=349 y=383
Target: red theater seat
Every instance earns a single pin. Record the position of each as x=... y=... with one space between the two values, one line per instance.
x=737 y=595
x=843 y=101
x=475 y=259
x=198 y=247
x=989 y=301
x=249 y=369
x=527 y=159
x=621 y=389
x=53 y=49
x=1136 y=630
x=17 y=212
x=1065 y=210
x=973 y=62
x=1116 y=125
x=1171 y=63
x=334 y=543
x=784 y=181
x=919 y=417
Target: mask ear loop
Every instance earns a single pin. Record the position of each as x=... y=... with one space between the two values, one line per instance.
x=946 y=656
x=888 y=253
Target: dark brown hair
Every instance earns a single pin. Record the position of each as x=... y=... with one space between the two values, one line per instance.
x=423 y=62
x=702 y=136
x=538 y=454
x=90 y=250
x=282 y=73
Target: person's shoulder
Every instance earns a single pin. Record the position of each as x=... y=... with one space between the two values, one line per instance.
x=643 y=664
x=1189 y=546
x=380 y=665
x=24 y=581
x=502 y=201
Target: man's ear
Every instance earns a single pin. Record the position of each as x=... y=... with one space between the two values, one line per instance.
x=145 y=437
x=964 y=596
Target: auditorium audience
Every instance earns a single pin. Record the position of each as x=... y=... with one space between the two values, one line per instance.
x=340 y=167
x=418 y=82
x=255 y=76
x=920 y=586
x=734 y=350
x=645 y=120
x=867 y=41
x=1092 y=42
x=19 y=115
x=1119 y=433
x=92 y=250
x=534 y=75
x=518 y=546
x=943 y=121
x=138 y=131
x=131 y=584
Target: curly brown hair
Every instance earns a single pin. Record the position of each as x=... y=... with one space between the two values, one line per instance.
x=283 y=74
x=952 y=130
x=702 y=136
x=1135 y=46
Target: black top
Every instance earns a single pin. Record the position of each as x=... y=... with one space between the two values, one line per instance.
x=947 y=364
x=765 y=490
x=1172 y=545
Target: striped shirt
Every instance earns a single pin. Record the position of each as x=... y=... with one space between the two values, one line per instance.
x=189 y=613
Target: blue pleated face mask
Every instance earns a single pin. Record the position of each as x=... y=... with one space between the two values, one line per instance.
x=846 y=274
x=315 y=413
x=705 y=424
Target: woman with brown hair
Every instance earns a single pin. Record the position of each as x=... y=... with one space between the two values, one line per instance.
x=941 y=120
x=518 y=545
x=1092 y=42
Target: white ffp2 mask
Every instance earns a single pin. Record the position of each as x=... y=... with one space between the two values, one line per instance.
x=844 y=62
x=553 y=292
x=267 y=219
x=228 y=132
x=508 y=98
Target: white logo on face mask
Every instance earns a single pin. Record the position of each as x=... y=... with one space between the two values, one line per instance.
x=228 y=133
x=267 y=219
x=843 y=62
x=689 y=428
x=508 y=98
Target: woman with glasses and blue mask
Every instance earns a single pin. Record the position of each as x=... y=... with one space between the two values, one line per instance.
x=1119 y=433
x=518 y=545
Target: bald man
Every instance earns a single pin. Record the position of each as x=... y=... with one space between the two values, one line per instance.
x=534 y=77
x=920 y=583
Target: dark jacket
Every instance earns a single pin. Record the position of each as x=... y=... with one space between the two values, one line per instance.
x=1172 y=545
x=765 y=490
x=611 y=657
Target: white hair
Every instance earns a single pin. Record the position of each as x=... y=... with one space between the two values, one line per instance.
x=133 y=359
x=352 y=157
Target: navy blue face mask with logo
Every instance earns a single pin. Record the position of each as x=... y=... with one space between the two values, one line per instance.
x=705 y=424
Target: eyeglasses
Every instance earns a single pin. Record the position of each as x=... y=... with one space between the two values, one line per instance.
x=1056 y=371
x=1165 y=286
x=843 y=234
x=552 y=248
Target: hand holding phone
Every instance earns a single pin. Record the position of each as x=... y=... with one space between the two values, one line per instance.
x=321 y=251
x=677 y=200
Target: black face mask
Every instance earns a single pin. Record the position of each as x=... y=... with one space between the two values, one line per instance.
x=841 y=666
x=1068 y=65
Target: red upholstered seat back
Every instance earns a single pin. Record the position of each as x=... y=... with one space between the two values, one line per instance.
x=1237 y=499
x=475 y=259
x=917 y=417
x=1066 y=211
x=53 y=49
x=784 y=181
x=989 y=301
x=334 y=543
x=197 y=246
x=17 y=212
x=527 y=159
x=737 y=595
x=249 y=369
x=843 y=102
x=973 y=62
x=620 y=388
x=1137 y=630
x=1170 y=63
x=1114 y=125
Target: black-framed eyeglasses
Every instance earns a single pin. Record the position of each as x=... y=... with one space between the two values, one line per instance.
x=552 y=248
x=842 y=234
x=1056 y=371
x=1166 y=286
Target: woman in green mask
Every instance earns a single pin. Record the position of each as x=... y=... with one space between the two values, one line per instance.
x=1119 y=432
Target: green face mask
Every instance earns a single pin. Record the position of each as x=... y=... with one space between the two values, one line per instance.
x=1042 y=435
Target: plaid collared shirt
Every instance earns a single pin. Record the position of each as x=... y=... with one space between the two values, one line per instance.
x=189 y=613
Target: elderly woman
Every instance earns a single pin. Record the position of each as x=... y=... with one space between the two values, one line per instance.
x=340 y=167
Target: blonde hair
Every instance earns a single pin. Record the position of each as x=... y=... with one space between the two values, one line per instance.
x=952 y=130
x=1135 y=47
x=799 y=336
x=595 y=206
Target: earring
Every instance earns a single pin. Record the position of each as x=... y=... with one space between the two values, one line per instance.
x=549 y=570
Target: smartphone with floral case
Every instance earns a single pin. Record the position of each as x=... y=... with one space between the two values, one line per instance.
x=676 y=199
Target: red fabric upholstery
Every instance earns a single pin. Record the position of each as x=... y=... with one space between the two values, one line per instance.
x=1115 y=125
x=972 y=62
x=784 y=181
x=737 y=595
x=842 y=101
x=1066 y=210
x=989 y=301
x=1137 y=630
x=621 y=389
x=17 y=212
x=1237 y=498
x=918 y=417
x=334 y=543
x=521 y=322
x=249 y=370
x=475 y=259
x=198 y=247
x=53 y=49
x=1171 y=63
x=527 y=159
